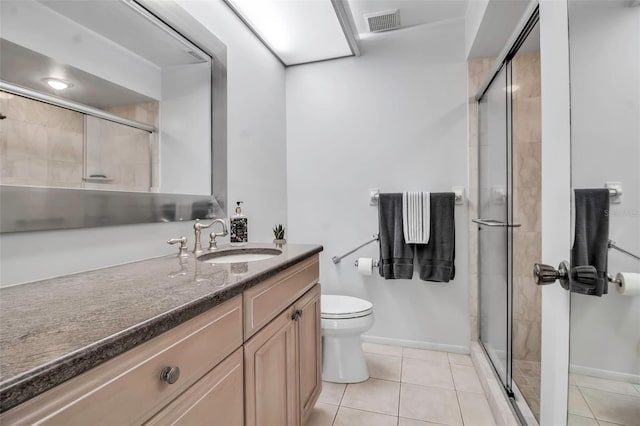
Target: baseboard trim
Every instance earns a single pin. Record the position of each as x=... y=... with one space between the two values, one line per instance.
x=417 y=344
x=605 y=374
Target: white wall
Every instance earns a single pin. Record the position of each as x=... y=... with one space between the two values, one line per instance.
x=256 y=163
x=257 y=170
x=185 y=155
x=605 y=145
x=393 y=118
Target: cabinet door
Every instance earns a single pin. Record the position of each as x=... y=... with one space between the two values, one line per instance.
x=309 y=350
x=271 y=379
x=216 y=399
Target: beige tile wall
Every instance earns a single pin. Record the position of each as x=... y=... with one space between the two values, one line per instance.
x=44 y=145
x=148 y=113
x=526 y=167
x=527 y=199
x=41 y=144
x=121 y=153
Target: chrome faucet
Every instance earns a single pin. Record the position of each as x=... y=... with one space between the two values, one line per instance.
x=198 y=227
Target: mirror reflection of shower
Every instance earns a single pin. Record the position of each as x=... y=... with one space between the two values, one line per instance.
x=604 y=362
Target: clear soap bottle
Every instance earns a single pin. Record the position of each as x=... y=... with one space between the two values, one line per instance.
x=239 y=232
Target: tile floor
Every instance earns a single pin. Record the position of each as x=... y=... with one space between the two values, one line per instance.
x=594 y=401
x=408 y=387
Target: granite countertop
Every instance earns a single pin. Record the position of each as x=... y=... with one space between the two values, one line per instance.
x=55 y=329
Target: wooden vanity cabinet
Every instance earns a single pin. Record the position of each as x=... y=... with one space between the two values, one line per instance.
x=283 y=360
x=309 y=351
x=253 y=360
x=129 y=389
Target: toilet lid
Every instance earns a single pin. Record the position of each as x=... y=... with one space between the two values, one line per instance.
x=341 y=307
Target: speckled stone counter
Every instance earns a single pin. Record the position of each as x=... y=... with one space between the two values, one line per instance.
x=55 y=329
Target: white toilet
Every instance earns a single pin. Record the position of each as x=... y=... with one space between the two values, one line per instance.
x=344 y=319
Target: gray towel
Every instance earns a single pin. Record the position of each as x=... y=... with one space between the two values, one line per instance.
x=396 y=257
x=590 y=244
x=436 y=259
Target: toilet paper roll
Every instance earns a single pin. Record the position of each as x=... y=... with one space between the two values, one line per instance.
x=629 y=283
x=365 y=265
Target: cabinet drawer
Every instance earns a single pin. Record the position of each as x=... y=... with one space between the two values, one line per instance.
x=127 y=389
x=215 y=400
x=265 y=301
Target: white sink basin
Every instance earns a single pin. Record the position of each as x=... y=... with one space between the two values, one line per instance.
x=239 y=255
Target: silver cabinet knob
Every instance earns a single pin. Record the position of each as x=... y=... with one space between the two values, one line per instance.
x=545 y=274
x=170 y=374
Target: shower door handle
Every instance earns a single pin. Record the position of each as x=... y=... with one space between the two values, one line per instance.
x=495 y=223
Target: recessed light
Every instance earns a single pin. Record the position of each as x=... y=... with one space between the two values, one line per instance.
x=57 y=84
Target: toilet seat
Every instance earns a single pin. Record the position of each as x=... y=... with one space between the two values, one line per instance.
x=344 y=307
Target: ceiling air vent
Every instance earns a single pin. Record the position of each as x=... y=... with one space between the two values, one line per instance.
x=383 y=21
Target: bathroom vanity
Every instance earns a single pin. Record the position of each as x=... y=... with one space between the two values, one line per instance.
x=175 y=340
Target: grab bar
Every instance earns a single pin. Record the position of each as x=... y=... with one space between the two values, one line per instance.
x=337 y=259
x=612 y=245
x=495 y=223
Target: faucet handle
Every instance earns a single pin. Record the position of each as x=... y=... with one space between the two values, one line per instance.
x=213 y=244
x=183 y=245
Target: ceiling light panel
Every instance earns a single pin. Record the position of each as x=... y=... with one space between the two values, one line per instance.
x=297 y=31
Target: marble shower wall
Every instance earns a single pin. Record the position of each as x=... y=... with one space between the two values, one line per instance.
x=527 y=239
x=527 y=196
x=46 y=145
x=40 y=144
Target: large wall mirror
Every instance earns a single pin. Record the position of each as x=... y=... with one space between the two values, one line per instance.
x=604 y=41
x=111 y=109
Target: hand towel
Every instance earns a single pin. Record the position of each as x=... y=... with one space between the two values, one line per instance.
x=590 y=244
x=416 y=216
x=436 y=260
x=396 y=257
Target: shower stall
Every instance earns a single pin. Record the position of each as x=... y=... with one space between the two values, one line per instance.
x=508 y=219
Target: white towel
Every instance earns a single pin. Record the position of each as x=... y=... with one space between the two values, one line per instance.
x=416 y=217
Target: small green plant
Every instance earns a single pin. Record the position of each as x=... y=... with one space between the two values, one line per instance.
x=278 y=232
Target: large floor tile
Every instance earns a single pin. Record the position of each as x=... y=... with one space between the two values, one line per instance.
x=465 y=379
x=375 y=348
x=351 y=417
x=425 y=354
x=430 y=404
x=322 y=415
x=427 y=373
x=605 y=385
x=577 y=404
x=412 y=422
x=385 y=367
x=613 y=407
x=574 y=420
x=379 y=396
x=332 y=393
x=460 y=359
x=475 y=409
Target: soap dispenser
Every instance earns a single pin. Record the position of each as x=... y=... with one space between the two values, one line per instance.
x=239 y=231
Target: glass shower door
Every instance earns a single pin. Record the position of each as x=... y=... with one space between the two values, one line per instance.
x=494 y=236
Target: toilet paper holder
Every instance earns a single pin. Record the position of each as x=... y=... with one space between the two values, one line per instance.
x=375 y=263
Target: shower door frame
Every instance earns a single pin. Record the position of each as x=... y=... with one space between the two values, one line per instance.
x=530 y=19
